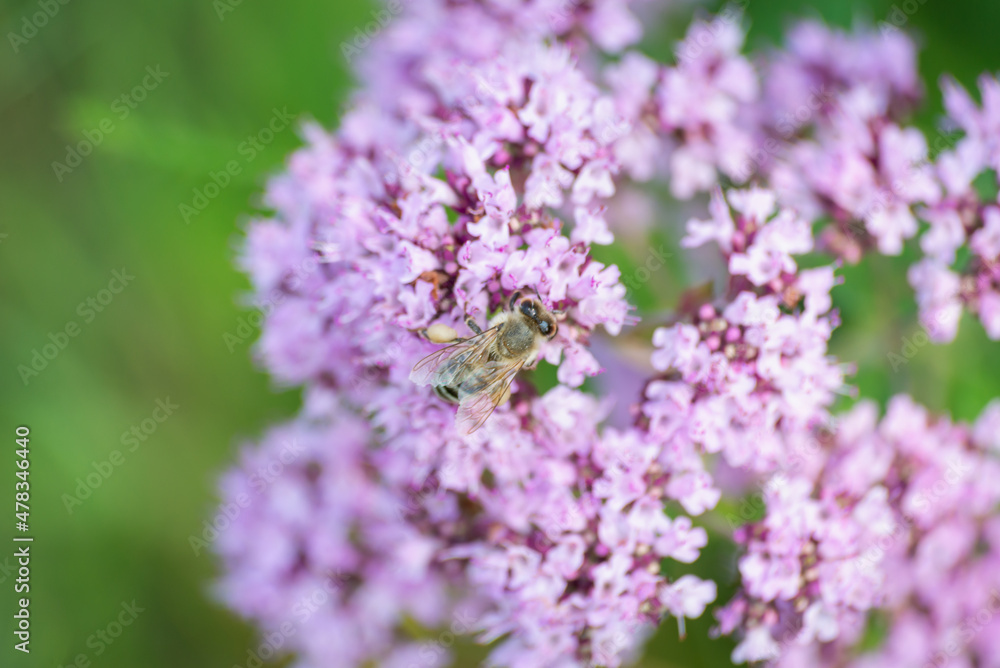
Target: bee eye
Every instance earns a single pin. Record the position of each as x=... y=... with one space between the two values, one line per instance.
x=544 y=327
x=527 y=308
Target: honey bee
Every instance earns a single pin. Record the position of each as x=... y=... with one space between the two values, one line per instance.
x=476 y=373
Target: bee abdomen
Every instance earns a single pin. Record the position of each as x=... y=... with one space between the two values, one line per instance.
x=447 y=392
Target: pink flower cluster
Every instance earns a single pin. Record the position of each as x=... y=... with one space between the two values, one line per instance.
x=572 y=530
x=424 y=210
x=827 y=131
x=897 y=515
x=484 y=156
x=751 y=376
x=832 y=110
x=339 y=592
x=555 y=531
x=964 y=218
x=699 y=104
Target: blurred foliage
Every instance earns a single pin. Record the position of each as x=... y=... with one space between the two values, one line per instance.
x=162 y=336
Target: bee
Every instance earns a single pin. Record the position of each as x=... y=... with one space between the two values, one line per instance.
x=476 y=373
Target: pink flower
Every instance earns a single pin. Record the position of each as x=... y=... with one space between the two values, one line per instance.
x=719 y=228
x=938 y=297
x=487 y=148
x=894 y=535
x=699 y=103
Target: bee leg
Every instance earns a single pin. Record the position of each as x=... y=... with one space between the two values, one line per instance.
x=513 y=300
x=471 y=324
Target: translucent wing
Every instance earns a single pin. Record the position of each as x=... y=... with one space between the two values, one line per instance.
x=483 y=393
x=450 y=364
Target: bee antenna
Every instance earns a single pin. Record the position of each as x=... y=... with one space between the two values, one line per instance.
x=513 y=300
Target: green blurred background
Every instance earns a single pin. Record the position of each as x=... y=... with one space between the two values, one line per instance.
x=227 y=67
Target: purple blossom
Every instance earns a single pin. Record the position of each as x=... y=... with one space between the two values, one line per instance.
x=962 y=219
x=889 y=516
x=699 y=103
x=491 y=146
x=742 y=368
x=343 y=590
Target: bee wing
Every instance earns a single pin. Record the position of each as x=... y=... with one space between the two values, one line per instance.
x=490 y=391
x=443 y=367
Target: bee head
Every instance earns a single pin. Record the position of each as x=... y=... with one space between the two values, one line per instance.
x=543 y=320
